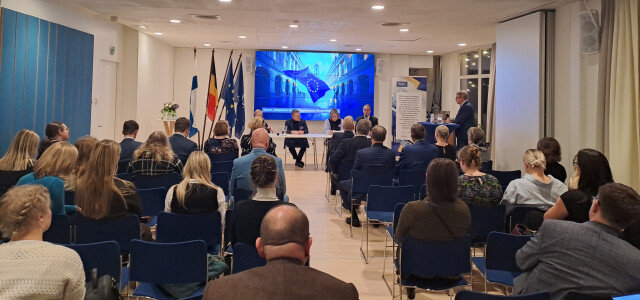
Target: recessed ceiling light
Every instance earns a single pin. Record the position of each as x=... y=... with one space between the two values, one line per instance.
x=429 y=51
x=224 y=0
x=293 y=25
x=358 y=49
x=174 y=21
x=142 y=27
x=333 y=40
x=285 y=47
x=207 y=45
x=377 y=7
x=404 y=29
x=157 y=33
x=462 y=44
x=242 y=36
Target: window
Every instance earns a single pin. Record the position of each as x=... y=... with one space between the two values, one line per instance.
x=475 y=70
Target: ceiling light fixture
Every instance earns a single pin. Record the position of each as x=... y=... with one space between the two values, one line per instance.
x=293 y=25
x=207 y=45
x=157 y=33
x=242 y=36
x=176 y=21
x=404 y=29
x=462 y=44
x=333 y=40
x=378 y=7
x=142 y=27
x=358 y=49
x=285 y=47
x=224 y=0
x=429 y=51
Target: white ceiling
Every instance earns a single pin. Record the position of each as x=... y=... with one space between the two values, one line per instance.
x=437 y=25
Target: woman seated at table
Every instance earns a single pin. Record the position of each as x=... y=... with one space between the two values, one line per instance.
x=476 y=188
x=334 y=123
x=196 y=194
x=19 y=159
x=258 y=114
x=245 y=140
x=155 y=157
x=444 y=149
x=32 y=268
x=221 y=143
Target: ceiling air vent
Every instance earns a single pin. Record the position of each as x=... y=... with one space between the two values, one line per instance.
x=206 y=17
x=391 y=24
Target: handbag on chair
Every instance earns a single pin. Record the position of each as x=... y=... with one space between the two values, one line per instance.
x=103 y=288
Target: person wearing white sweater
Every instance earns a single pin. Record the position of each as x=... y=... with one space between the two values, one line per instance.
x=32 y=268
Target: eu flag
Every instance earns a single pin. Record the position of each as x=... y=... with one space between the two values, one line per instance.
x=316 y=87
x=239 y=99
x=227 y=96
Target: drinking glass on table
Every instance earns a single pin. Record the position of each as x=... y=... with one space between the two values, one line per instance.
x=284 y=129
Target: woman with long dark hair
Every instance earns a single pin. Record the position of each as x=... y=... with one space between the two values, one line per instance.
x=55 y=132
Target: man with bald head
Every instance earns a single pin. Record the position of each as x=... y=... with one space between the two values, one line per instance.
x=240 y=178
x=285 y=243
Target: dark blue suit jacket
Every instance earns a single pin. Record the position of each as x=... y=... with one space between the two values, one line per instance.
x=182 y=146
x=346 y=151
x=465 y=119
x=416 y=157
x=375 y=159
x=296 y=143
x=127 y=147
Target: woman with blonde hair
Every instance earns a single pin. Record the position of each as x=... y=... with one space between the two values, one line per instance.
x=85 y=146
x=245 y=140
x=99 y=193
x=155 y=157
x=220 y=143
x=55 y=132
x=474 y=187
x=19 y=159
x=196 y=194
x=534 y=188
x=57 y=162
x=444 y=149
x=32 y=268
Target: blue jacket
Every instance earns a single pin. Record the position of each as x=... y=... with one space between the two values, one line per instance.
x=240 y=177
x=127 y=147
x=465 y=118
x=296 y=143
x=182 y=147
x=375 y=159
x=416 y=157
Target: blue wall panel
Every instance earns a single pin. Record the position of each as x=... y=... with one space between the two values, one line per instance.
x=46 y=73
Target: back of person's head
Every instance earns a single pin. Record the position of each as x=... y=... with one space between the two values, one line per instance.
x=363 y=127
x=264 y=171
x=182 y=125
x=551 y=149
x=470 y=156
x=534 y=158
x=198 y=168
x=476 y=135
x=348 y=124
x=53 y=129
x=85 y=146
x=284 y=232
x=442 y=131
x=58 y=160
x=129 y=127
x=156 y=147
x=378 y=133
x=22 y=151
x=95 y=187
x=619 y=204
x=442 y=180
x=260 y=138
x=221 y=128
x=418 y=132
x=256 y=123
x=594 y=170
x=20 y=209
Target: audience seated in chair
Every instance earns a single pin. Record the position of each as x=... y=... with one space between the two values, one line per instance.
x=476 y=188
x=476 y=139
x=285 y=243
x=444 y=149
x=128 y=144
x=180 y=143
x=332 y=146
x=55 y=132
x=344 y=154
x=155 y=157
x=587 y=257
x=85 y=145
x=552 y=153
x=19 y=159
x=31 y=268
x=55 y=164
x=416 y=157
x=245 y=140
x=220 y=143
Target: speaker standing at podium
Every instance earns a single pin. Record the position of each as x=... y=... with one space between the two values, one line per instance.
x=464 y=118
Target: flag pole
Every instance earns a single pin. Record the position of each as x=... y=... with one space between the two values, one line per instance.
x=204 y=126
x=224 y=107
x=224 y=82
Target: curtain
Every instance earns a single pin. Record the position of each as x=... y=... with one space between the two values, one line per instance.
x=604 y=73
x=624 y=113
x=491 y=102
x=437 y=91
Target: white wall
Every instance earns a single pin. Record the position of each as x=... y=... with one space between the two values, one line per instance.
x=450 y=81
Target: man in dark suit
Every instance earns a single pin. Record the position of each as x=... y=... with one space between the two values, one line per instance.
x=345 y=155
x=332 y=146
x=366 y=111
x=285 y=243
x=416 y=157
x=295 y=125
x=376 y=159
x=465 y=118
x=589 y=257
x=128 y=144
x=180 y=144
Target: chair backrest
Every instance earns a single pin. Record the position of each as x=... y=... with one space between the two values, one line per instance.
x=125 y=176
x=149 y=182
x=227 y=228
x=168 y=263
x=122 y=230
x=504 y=177
x=345 y=170
x=486 y=165
x=60 y=230
x=241 y=195
x=470 y=295
x=105 y=256
x=424 y=258
x=385 y=198
x=123 y=166
x=396 y=215
x=413 y=178
x=423 y=191
x=186 y=227
x=230 y=156
x=221 y=179
x=69 y=198
x=152 y=200
x=485 y=220
x=222 y=166
x=518 y=214
x=362 y=180
x=246 y=257
x=501 y=251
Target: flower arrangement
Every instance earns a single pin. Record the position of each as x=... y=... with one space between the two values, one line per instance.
x=169 y=110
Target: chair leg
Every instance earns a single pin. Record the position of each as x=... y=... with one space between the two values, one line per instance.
x=365 y=219
x=351 y=223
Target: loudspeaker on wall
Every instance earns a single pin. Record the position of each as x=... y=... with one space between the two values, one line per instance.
x=248 y=64
x=379 y=64
x=589 y=33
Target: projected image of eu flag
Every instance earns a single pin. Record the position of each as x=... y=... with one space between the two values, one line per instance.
x=313 y=83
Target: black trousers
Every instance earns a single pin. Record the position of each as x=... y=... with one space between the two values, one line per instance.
x=297 y=156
